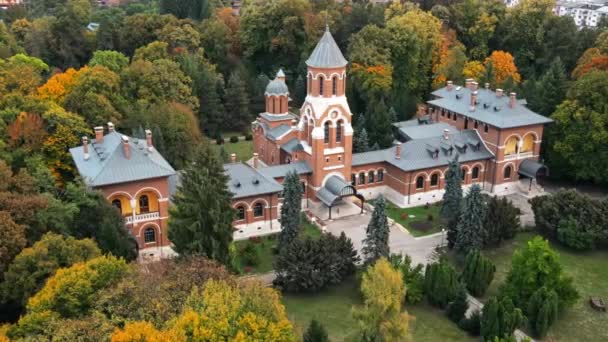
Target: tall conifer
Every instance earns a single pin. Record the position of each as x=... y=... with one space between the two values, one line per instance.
x=375 y=244
x=290 y=210
x=470 y=225
x=236 y=100
x=452 y=199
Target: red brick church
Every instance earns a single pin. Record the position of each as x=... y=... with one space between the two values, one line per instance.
x=495 y=136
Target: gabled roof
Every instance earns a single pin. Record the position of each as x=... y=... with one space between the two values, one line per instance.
x=413 y=129
x=107 y=163
x=419 y=154
x=300 y=167
x=326 y=54
x=245 y=181
x=490 y=108
x=292 y=146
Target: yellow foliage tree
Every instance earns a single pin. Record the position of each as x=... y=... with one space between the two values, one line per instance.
x=381 y=318
x=503 y=67
x=56 y=88
x=474 y=70
x=141 y=332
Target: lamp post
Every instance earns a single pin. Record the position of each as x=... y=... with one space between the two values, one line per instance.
x=442 y=236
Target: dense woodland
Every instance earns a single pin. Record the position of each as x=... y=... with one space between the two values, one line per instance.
x=190 y=68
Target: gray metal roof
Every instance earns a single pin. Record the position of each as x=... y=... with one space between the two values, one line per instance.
x=412 y=129
x=416 y=154
x=292 y=146
x=326 y=54
x=107 y=163
x=490 y=108
x=277 y=87
x=277 y=117
x=530 y=168
x=300 y=167
x=332 y=190
x=278 y=131
x=245 y=181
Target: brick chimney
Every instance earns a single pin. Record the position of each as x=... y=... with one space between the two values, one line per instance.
x=98 y=134
x=446 y=134
x=498 y=92
x=450 y=85
x=233 y=158
x=126 y=149
x=468 y=82
x=256 y=161
x=85 y=147
x=487 y=85
x=110 y=127
x=149 y=140
x=512 y=100
x=474 y=85
x=398 y=151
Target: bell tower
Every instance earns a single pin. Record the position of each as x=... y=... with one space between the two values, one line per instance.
x=325 y=129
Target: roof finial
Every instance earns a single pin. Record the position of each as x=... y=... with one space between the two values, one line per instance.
x=326 y=21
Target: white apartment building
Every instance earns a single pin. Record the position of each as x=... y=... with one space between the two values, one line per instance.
x=586 y=13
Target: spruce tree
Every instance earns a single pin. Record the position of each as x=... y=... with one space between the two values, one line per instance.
x=159 y=140
x=478 y=273
x=501 y=221
x=500 y=318
x=315 y=333
x=258 y=99
x=237 y=102
x=380 y=124
x=542 y=311
x=223 y=155
x=452 y=199
x=375 y=244
x=459 y=306
x=361 y=143
x=290 y=210
x=440 y=283
x=552 y=87
x=299 y=90
x=202 y=214
x=470 y=225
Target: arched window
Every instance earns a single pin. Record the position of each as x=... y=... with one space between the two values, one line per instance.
x=371 y=177
x=434 y=179
x=149 y=235
x=258 y=210
x=507 y=173
x=485 y=128
x=475 y=172
x=463 y=173
x=380 y=175
x=362 y=178
x=511 y=145
x=144 y=205
x=321 y=81
x=339 y=131
x=420 y=182
x=118 y=205
x=334 y=85
x=353 y=179
x=466 y=123
x=476 y=124
x=528 y=144
x=326 y=133
x=240 y=213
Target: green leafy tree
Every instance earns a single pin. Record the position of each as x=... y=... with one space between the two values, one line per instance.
x=501 y=221
x=542 y=311
x=290 y=210
x=71 y=48
x=440 y=283
x=12 y=240
x=475 y=22
x=151 y=52
x=113 y=60
x=193 y=9
x=236 y=101
x=413 y=276
x=202 y=215
x=458 y=307
x=452 y=199
x=381 y=318
x=535 y=266
x=470 y=225
x=500 y=318
x=375 y=244
x=316 y=332
x=478 y=273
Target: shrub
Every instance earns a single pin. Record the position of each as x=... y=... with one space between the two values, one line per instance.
x=404 y=216
x=219 y=140
x=250 y=255
x=501 y=221
x=572 y=233
x=315 y=333
x=248 y=137
x=457 y=309
x=478 y=273
x=472 y=325
x=429 y=217
x=440 y=283
x=234 y=139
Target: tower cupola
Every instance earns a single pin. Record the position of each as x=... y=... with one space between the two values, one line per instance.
x=326 y=68
x=277 y=94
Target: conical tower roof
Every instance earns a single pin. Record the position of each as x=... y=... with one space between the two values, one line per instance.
x=326 y=54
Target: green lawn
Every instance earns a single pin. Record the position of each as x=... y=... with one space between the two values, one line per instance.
x=333 y=309
x=243 y=149
x=579 y=323
x=422 y=215
x=265 y=245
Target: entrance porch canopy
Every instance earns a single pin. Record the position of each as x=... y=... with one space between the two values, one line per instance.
x=531 y=169
x=334 y=190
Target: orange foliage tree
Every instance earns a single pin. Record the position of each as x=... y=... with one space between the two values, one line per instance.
x=59 y=85
x=503 y=67
x=450 y=60
x=27 y=131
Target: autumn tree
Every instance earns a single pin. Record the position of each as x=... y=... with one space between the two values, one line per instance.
x=12 y=240
x=503 y=68
x=450 y=62
x=475 y=22
x=474 y=70
x=381 y=318
x=58 y=85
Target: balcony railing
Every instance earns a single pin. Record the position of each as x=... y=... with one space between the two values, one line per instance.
x=521 y=155
x=142 y=217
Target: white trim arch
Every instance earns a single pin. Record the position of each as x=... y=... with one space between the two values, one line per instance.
x=148 y=188
x=239 y=203
x=335 y=173
x=146 y=225
x=426 y=175
x=115 y=193
x=513 y=170
x=254 y=202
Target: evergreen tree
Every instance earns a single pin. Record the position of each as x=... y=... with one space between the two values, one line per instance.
x=380 y=124
x=223 y=155
x=552 y=87
x=440 y=283
x=315 y=333
x=470 y=225
x=375 y=244
x=299 y=91
x=361 y=142
x=542 y=311
x=452 y=199
x=201 y=218
x=500 y=318
x=290 y=210
x=159 y=140
x=376 y=147
x=258 y=99
x=478 y=273
x=457 y=308
x=237 y=102
x=501 y=221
